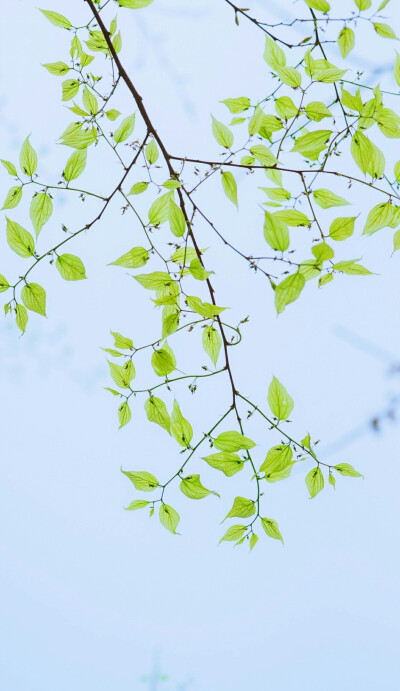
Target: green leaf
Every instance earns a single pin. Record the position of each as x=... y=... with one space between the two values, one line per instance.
x=384 y=30
x=289 y=76
x=342 y=228
x=156 y=411
x=139 y=187
x=363 y=4
x=143 y=481
x=230 y=187
x=160 y=209
x=233 y=533
x=133 y=259
x=323 y=280
x=271 y=527
x=19 y=239
x=396 y=240
x=192 y=488
x=277 y=459
x=332 y=480
x=4 y=284
x=222 y=133
x=322 y=252
x=172 y=184
x=184 y=255
x=124 y=414
x=163 y=361
x=277 y=194
x=170 y=324
x=253 y=541
x=57 y=19
x=75 y=165
x=134 y=4
x=152 y=152
x=176 y=219
x=125 y=129
x=315 y=481
x=256 y=121
x=388 y=122
x=233 y=441
x=292 y=217
x=279 y=401
x=113 y=114
x=71 y=268
x=122 y=374
x=34 y=298
x=237 y=105
x=155 y=280
x=28 y=158
x=288 y=290
x=326 y=199
x=70 y=88
x=273 y=54
x=316 y=110
x=212 y=342
x=205 y=309
x=89 y=101
x=263 y=155
x=21 y=317
x=351 y=268
x=346 y=41
x=380 y=216
x=396 y=69
x=285 y=107
x=169 y=518
x=10 y=167
x=242 y=508
x=58 y=68
x=137 y=504
x=122 y=341
x=227 y=463
x=77 y=138
x=40 y=211
x=181 y=429
x=276 y=232
x=13 y=198
x=280 y=474
x=347 y=469
x=310 y=145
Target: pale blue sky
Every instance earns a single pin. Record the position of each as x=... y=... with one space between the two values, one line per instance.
x=90 y=592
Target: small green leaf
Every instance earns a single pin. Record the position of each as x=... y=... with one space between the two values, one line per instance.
x=181 y=429
x=332 y=480
x=222 y=133
x=122 y=341
x=384 y=30
x=10 y=167
x=212 y=342
x=70 y=88
x=192 y=488
x=227 y=463
x=237 y=105
x=40 y=211
x=21 y=317
x=242 y=508
x=89 y=101
x=233 y=533
x=315 y=481
x=143 y=481
x=133 y=259
x=310 y=145
x=276 y=232
x=134 y=4
x=169 y=518
x=57 y=19
x=289 y=76
x=124 y=414
x=19 y=239
x=288 y=291
x=347 y=469
x=230 y=187
x=342 y=228
x=113 y=114
x=271 y=527
x=13 y=198
x=326 y=199
x=233 y=441
x=160 y=209
x=156 y=411
x=151 y=152
x=122 y=374
x=71 y=268
x=125 y=129
x=176 y=219
x=137 y=504
x=163 y=361
x=277 y=459
x=279 y=401
x=58 y=68
x=34 y=298
x=346 y=41
x=75 y=165
x=139 y=187
x=316 y=110
x=4 y=284
x=28 y=158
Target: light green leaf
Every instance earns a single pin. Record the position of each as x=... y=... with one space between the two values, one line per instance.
x=156 y=411
x=13 y=198
x=57 y=19
x=4 y=284
x=137 y=504
x=351 y=268
x=125 y=129
x=255 y=121
x=230 y=187
x=143 y=481
x=396 y=69
x=323 y=280
x=273 y=54
x=28 y=158
x=288 y=291
x=181 y=429
x=192 y=488
x=122 y=341
x=151 y=152
x=263 y=155
x=40 y=210
x=347 y=469
x=346 y=41
x=237 y=105
x=316 y=110
x=233 y=533
x=289 y=76
x=205 y=309
x=136 y=257
x=172 y=184
x=380 y=216
x=280 y=474
x=19 y=239
x=342 y=228
x=75 y=165
x=363 y=4
x=10 y=167
x=89 y=101
x=277 y=459
x=122 y=374
x=155 y=280
x=271 y=527
x=176 y=219
x=163 y=361
x=292 y=217
x=310 y=145
x=276 y=232
x=326 y=199
x=279 y=401
x=227 y=463
x=242 y=508
x=139 y=187
x=285 y=107
x=322 y=252
x=21 y=317
x=253 y=541
x=70 y=88
x=134 y=4
x=388 y=122
x=396 y=240
x=384 y=30
x=34 y=298
x=169 y=518
x=71 y=268
x=222 y=133
x=212 y=342
x=77 y=138
x=58 y=68
x=160 y=209
x=315 y=481
x=113 y=114
x=233 y=441
x=124 y=414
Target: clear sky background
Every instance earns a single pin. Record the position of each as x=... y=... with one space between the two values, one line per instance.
x=89 y=592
